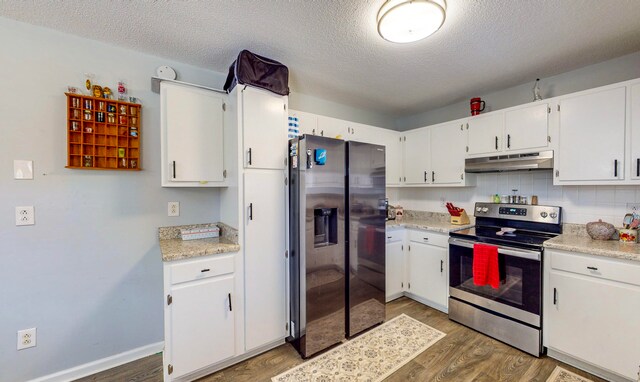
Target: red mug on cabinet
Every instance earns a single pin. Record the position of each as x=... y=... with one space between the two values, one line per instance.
x=477 y=105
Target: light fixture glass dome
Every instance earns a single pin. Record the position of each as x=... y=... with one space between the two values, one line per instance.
x=405 y=21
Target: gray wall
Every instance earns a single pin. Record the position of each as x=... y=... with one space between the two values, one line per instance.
x=604 y=73
x=88 y=275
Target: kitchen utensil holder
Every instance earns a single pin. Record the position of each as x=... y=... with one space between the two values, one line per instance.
x=460 y=220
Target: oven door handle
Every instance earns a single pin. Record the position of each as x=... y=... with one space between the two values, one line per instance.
x=515 y=252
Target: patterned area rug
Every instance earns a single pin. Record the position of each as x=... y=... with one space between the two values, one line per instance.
x=372 y=356
x=561 y=375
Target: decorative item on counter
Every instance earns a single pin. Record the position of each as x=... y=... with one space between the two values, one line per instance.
x=399 y=213
x=496 y=198
x=504 y=199
x=536 y=91
x=106 y=92
x=122 y=90
x=628 y=235
x=97 y=91
x=475 y=103
x=534 y=200
x=600 y=230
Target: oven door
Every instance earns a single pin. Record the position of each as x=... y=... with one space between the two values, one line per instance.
x=520 y=293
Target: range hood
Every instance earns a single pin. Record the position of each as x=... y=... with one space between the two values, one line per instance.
x=542 y=160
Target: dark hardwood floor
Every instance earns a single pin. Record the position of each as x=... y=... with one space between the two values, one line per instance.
x=463 y=355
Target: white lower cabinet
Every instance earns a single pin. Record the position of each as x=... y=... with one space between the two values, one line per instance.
x=200 y=306
x=427 y=266
x=592 y=306
x=395 y=260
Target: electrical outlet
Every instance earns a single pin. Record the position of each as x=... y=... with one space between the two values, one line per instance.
x=26 y=338
x=25 y=215
x=174 y=209
x=633 y=207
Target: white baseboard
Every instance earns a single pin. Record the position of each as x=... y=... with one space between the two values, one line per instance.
x=102 y=364
x=589 y=368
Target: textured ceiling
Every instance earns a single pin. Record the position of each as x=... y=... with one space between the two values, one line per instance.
x=334 y=52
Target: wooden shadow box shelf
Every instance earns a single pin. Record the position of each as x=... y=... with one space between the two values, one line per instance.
x=103 y=134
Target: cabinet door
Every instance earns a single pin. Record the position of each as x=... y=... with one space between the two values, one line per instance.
x=595 y=320
x=192 y=121
x=394 y=270
x=527 y=127
x=392 y=141
x=635 y=131
x=264 y=129
x=485 y=133
x=307 y=122
x=591 y=144
x=202 y=324
x=447 y=153
x=416 y=157
x=428 y=272
x=264 y=261
x=331 y=127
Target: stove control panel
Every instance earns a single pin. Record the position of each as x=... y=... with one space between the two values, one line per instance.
x=524 y=212
x=518 y=211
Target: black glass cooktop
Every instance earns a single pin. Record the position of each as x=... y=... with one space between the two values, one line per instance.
x=489 y=234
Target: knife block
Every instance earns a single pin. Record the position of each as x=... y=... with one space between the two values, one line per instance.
x=460 y=220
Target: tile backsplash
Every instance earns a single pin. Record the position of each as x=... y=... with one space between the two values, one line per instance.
x=581 y=204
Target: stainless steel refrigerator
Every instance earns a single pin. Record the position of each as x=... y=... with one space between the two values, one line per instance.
x=337 y=228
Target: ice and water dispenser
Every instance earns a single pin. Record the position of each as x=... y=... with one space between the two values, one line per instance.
x=325 y=227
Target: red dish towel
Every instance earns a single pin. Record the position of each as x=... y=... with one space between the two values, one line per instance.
x=486 y=269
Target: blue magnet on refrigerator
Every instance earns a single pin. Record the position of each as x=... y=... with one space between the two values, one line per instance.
x=321 y=156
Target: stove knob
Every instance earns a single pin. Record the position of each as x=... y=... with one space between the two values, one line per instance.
x=553 y=215
x=543 y=214
x=485 y=209
x=478 y=209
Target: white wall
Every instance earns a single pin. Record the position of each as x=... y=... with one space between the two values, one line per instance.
x=581 y=204
x=604 y=73
x=88 y=275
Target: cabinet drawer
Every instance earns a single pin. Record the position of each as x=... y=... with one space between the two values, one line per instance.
x=201 y=269
x=603 y=268
x=394 y=235
x=427 y=237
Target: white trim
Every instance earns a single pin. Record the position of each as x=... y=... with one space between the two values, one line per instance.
x=102 y=364
x=585 y=366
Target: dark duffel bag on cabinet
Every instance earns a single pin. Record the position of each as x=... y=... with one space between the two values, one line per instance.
x=258 y=71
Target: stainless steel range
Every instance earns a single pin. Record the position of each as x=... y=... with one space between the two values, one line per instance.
x=512 y=313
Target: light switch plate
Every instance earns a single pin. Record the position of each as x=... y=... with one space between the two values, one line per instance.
x=22 y=169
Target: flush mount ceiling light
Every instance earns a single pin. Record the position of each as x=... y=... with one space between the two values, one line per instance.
x=410 y=20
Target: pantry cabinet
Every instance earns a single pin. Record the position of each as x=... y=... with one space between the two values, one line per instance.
x=265 y=262
x=591 y=145
x=485 y=133
x=264 y=129
x=527 y=127
x=591 y=306
x=200 y=305
x=427 y=265
x=191 y=124
x=417 y=159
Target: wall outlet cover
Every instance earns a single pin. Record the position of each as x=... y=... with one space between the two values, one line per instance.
x=173 y=209
x=25 y=215
x=26 y=338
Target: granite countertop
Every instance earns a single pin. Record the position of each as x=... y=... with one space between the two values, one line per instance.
x=429 y=221
x=173 y=247
x=585 y=244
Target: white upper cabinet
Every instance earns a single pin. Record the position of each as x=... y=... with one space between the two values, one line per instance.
x=417 y=164
x=591 y=145
x=391 y=140
x=264 y=129
x=307 y=122
x=331 y=127
x=192 y=121
x=527 y=127
x=485 y=133
x=635 y=131
x=447 y=153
